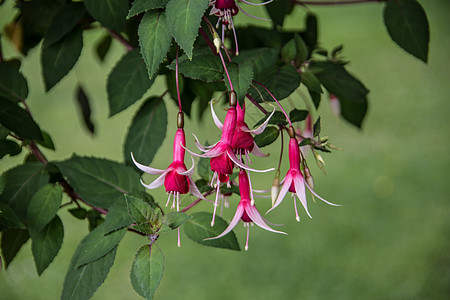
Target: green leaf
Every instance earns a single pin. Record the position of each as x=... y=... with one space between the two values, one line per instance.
x=353 y=112
x=281 y=82
x=140 y=6
x=94 y=218
x=103 y=47
x=175 y=219
x=199 y=228
x=43 y=207
x=46 y=244
x=82 y=282
x=313 y=85
x=85 y=108
x=297 y=115
x=110 y=13
x=9 y=219
x=278 y=9
x=147 y=132
x=117 y=217
x=407 y=24
x=277 y=118
x=241 y=76
x=97 y=181
x=63 y=22
x=139 y=210
x=47 y=141
x=147 y=270
x=13 y=86
x=203 y=168
x=21 y=183
x=127 y=82
x=310 y=35
x=97 y=244
x=183 y=18
x=154 y=39
x=9 y=147
x=338 y=81
x=18 y=120
x=261 y=58
x=267 y=137
x=11 y=242
x=204 y=66
x=79 y=213
x=301 y=50
x=289 y=51
x=317 y=127
x=60 y=57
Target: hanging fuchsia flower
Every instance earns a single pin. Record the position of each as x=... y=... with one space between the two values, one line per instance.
x=246 y=211
x=335 y=105
x=176 y=178
x=294 y=181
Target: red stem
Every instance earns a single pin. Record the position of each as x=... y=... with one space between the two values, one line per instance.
x=121 y=39
x=177 y=82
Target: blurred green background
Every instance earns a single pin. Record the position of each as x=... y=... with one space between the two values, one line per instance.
x=389 y=240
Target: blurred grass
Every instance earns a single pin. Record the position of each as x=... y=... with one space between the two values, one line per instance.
x=390 y=238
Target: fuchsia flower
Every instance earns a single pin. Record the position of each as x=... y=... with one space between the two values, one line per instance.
x=246 y=211
x=294 y=181
x=335 y=105
x=176 y=178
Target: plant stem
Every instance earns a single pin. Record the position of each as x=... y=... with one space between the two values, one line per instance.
x=344 y=2
x=177 y=82
x=121 y=39
x=196 y=201
x=226 y=70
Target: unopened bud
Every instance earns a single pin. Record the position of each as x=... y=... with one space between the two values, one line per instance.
x=334 y=147
x=180 y=120
x=309 y=179
x=217 y=41
x=233 y=99
x=275 y=188
x=291 y=132
x=319 y=158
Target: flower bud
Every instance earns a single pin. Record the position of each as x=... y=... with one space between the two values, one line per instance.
x=275 y=188
x=180 y=120
x=217 y=41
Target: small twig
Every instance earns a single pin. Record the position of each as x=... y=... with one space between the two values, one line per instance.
x=197 y=201
x=208 y=41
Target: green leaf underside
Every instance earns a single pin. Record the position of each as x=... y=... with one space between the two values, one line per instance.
x=97 y=181
x=9 y=219
x=127 y=82
x=175 y=219
x=140 y=6
x=198 y=228
x=9 y=147
x=297 y=115
x=183 y=18
x=407 y=24
x=110 y=13
x=18 y=120
x=43 y=207
x=261 y=58
x=206 y=67
x=154 y=40
x=22 y=182
x=241 y=76
x=59 y=58
x=63 y=21
x=281 y=82
x=117 y=217
x=82 y=282
x=13 y=86
x=267 y=137
x=147 y=270
x=147 y=132
x=353 y=112
x=46 y=244
x=47 y=141
x=11 y=242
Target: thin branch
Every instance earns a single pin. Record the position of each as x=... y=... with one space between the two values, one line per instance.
x=344 y=2
x=121 y=39
x=197 y=201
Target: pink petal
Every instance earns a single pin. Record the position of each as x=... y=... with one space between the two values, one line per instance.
x=283 y=191
x=146 y=169
x=261 y=127
x=257 y=152
x=233 y=157
x=190 y=171
x=211 y=153
x=254 y=214
x=200 y=146
x=233 y=223
x=300 y=191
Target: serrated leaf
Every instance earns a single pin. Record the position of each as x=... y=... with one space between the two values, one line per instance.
x=199 y=228
x=261 y=58
x=46 y=244
x=43 y=207
x=21 y=183
x=97 y=244
x=139 y=211
x=175 y=219
x=9 y=219
x=127 y=82
x=97 y=181
x=147 y=132
x=63 y=21
x=297 y=115
x=79 y=213
x=13 y=86
x=110 y=13
x=241 y=76
x=301 y=50
x=203 y=186
x=407 y=24
x=205 y=66
x=306 y=141
x=183 y=18
x=267 y=137
x=317 y=127
x=85 y=108
x=140 y=6
x=81 y=283
x=281 y=82
x=59 y=57
x=103 y=47
x=154 y=39
x=11 y=242
x=18 y=120
x=9 y=147
x=117 y=217
x=147 y=270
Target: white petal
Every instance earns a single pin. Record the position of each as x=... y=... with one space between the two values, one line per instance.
x=257 y=152
x=190 y=171
x=314 y=193
x=237 y=217
x=300 y=191
x=194 y=190
x=256 y=4
x=261 y=127
x=157 y=183
x=255 y=216
x=251 y=16
x=200 y=146
x=241 y=165
x=283 y=191
x=215 y=118
x=211 y=153
x=146 y=169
